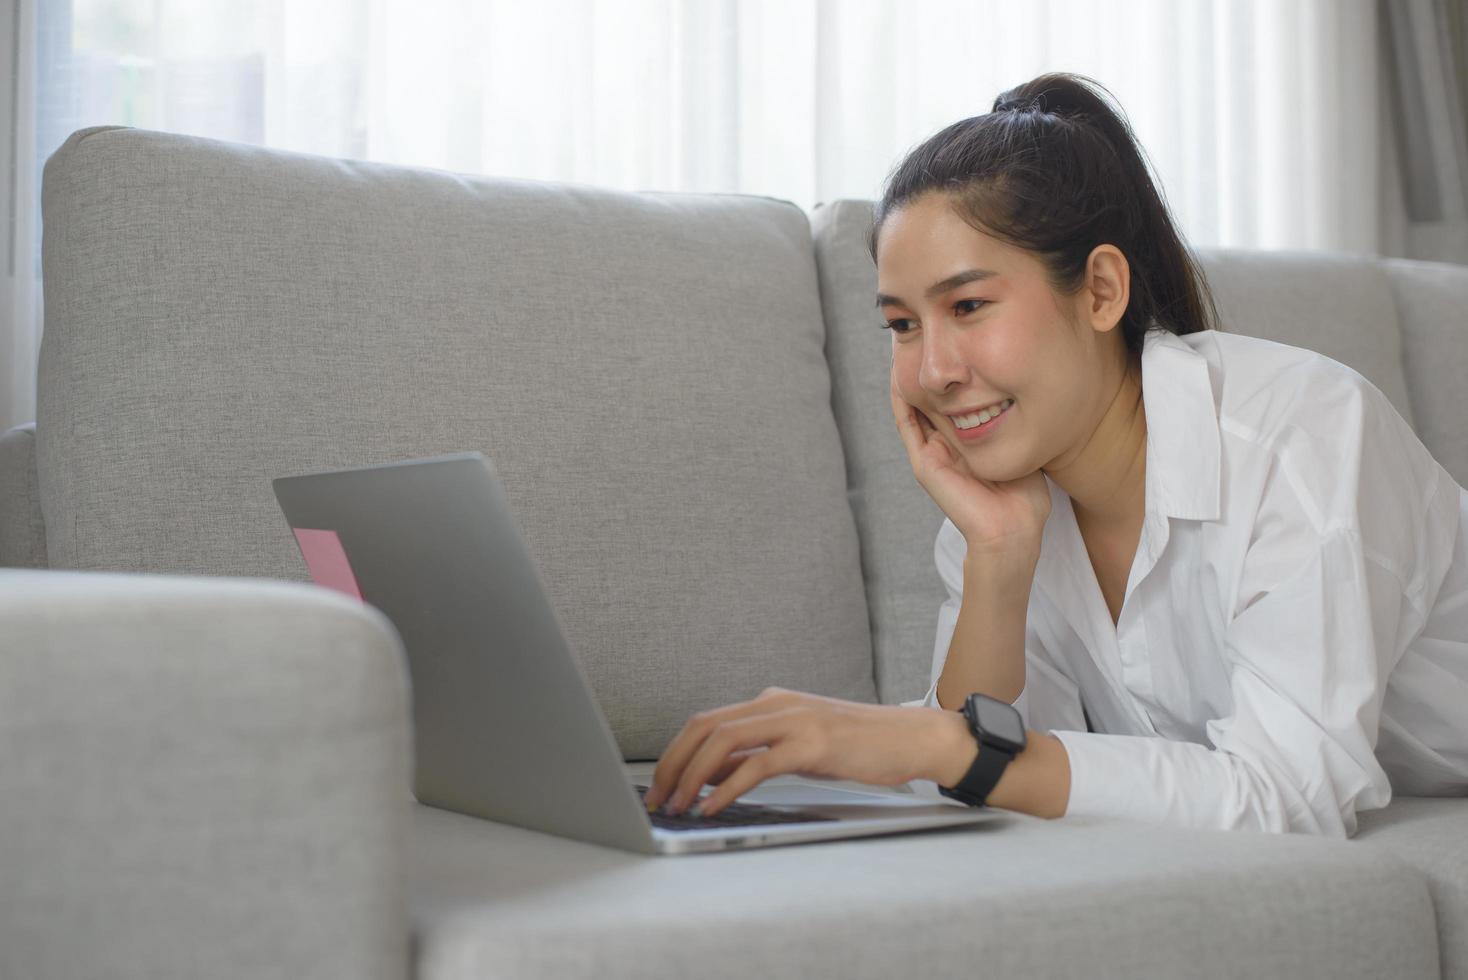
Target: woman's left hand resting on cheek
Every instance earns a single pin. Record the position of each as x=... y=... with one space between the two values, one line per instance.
x=739 y=746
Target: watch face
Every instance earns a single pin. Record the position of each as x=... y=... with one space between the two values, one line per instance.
x=1000 y=720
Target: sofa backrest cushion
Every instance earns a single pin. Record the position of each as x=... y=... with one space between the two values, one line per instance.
x=22 y=530
x=1336 y=304
x=898 y=520
x=1432 y=306
x=1344 y=306
x=644 y=370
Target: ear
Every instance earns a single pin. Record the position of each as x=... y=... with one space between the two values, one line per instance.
x=1108 y=287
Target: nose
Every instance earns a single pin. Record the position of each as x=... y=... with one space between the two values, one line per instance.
x=942 y=366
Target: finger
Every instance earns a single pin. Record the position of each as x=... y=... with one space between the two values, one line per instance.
x=911 y=420
x=908 y=427
x=670 y=768
x=735 y=759
x=665 y=774
x=900 y=406
x=742 y=733
x=754 y=770
x=924 y=424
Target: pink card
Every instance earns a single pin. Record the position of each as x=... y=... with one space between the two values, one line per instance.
x=326 y=559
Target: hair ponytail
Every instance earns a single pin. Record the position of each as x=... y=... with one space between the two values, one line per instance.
x=1054 y=169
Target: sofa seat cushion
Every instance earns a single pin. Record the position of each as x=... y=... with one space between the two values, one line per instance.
x=1430 y=834
x=1016 y=896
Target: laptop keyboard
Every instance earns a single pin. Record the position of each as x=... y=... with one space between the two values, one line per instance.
x=732 y=815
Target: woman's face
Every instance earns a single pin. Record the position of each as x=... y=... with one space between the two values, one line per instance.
x=980 y=342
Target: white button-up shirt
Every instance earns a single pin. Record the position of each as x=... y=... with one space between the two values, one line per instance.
x=1293 y=640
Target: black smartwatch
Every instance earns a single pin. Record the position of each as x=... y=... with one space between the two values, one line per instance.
x=1000 y=732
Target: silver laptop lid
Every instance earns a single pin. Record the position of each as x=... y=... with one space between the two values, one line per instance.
x=433 y=545
x=506 y=726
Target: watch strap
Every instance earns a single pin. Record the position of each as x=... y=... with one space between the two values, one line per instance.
x=982 y=776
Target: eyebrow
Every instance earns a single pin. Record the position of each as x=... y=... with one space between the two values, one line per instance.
x=938 y=288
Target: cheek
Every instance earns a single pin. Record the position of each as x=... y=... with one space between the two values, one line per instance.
x=1008 y=352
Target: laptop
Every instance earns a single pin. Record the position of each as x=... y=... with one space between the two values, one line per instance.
x=506 y=726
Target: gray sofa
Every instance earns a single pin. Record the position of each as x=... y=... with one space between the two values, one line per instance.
x=205 y=760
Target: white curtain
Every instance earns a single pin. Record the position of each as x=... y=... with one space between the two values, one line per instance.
x=1268 y=122
x=1426 y=39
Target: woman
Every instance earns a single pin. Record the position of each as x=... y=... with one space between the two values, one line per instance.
x=1220 y=578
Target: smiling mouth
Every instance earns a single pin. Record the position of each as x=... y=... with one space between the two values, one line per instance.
x=974 y=433
x=983 y=417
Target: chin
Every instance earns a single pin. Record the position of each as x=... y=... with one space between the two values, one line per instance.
x=998 y=472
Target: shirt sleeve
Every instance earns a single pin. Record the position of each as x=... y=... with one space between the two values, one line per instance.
x=1308 y=661
x=1048 y=695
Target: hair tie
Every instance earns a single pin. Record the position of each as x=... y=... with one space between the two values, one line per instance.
x=1035 y=103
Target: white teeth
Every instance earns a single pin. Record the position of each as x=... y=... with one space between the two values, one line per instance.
x=969 y=421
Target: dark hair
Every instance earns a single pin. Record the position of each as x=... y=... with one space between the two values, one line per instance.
x=1055 y=170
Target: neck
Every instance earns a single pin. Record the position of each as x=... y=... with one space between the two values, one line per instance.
x=1106 y=478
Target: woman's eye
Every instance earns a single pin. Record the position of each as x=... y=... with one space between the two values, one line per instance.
x=896 y=325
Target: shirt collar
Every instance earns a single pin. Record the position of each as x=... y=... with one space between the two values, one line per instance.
x=1182 y=431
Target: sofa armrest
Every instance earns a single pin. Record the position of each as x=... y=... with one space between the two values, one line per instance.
x=200 y=777
x=22 y=530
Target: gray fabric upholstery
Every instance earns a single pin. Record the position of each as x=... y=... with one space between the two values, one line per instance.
x=22 y=531
x=1430 y=299
x=1429 y=834
x=897 y=519
x=1023 y=898
x=199 y=778
x=220 y=314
